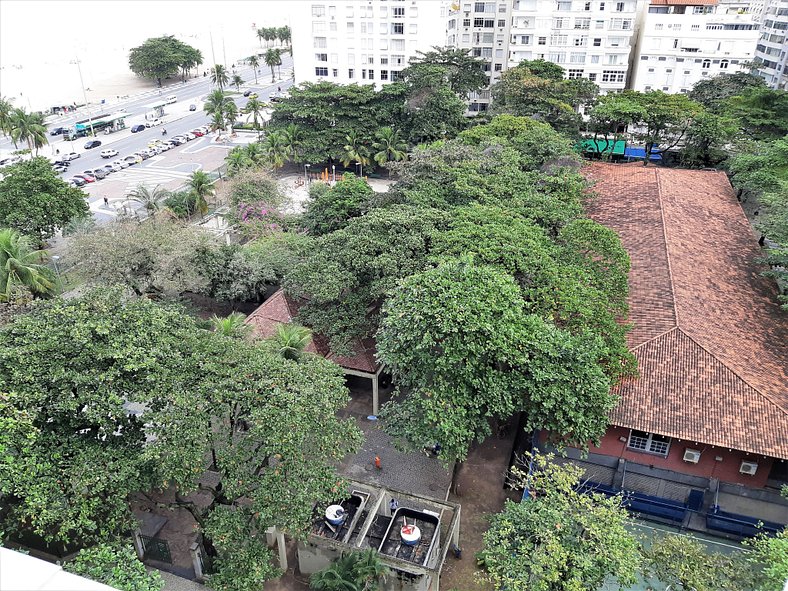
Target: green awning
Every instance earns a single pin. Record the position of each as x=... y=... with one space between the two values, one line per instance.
x=600 y=146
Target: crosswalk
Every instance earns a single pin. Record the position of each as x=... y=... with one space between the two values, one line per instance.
x=149 y=175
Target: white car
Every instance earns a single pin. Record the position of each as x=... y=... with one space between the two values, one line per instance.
x=132 y=159
x=179 y=140
x=153 y=123
x=190 y=136
x=121 y=163
x=110 y=153
x=115 y=166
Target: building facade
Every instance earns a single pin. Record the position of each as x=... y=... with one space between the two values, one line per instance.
x=483 y=29
x=771 y=51
x=362 y=42
x=589 y=39
x=681 y=42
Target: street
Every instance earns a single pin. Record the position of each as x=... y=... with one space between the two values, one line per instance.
x=169 y=169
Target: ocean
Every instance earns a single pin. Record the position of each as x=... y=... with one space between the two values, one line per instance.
x=41 y=41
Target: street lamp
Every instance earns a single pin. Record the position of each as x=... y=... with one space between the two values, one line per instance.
x=334 y=171
x=55 y=259
x=306 y=178
x=84 y=95
x=360 y=170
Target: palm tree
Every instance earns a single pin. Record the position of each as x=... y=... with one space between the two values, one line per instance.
x=233 y=325
x=261 y=35
x=271 y=59
x=357 y=571
x=293 y=138
x=355 y=151
x=254 y=61
x=18 y=267
x=369 y=571
x=390 y=146
x=219 y=76
x=291 y=340
x=6 y=109
x=237 y=160
x=284 y=34
x=255 y=108
x=230 y=113
x=275 y=149
x=221 y=109
x=29 y=128
x=237 y=81
x=254 y=151
x=279 y=62
x=201 y=187
x=149 y=198
x=217 y=120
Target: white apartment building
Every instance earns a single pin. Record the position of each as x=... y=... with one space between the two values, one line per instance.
x=482 y=28
x=771 y=52
x=363 y=41
x=681 y=42
x=589 y=39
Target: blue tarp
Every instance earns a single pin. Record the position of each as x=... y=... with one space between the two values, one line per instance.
x=640 y=154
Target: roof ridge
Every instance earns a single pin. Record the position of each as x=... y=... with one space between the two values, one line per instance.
x=733 y=371
x=667 y=247
x=654 y=338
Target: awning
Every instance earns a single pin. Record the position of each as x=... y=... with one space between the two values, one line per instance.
x=640 y=154
x=603 y=146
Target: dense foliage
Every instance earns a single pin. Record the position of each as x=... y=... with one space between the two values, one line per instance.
x=162 y=57
x=116 y=566
x=35 y=201
x=559 y=539
x=330 y=207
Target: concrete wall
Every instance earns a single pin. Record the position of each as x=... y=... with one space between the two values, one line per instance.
x=725 y=470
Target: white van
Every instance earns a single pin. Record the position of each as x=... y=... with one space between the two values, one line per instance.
x=171 y=99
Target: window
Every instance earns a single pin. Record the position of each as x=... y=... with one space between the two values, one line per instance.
x=412 y=28
x=702 y=9
x=398 y=12
x=318 y=27
x=335 y=73
x=384 y=74
x=478 y=22
x=351 y=27
x=351 y=73
x=601 y=7
x=597 y=42
x=612 y=76
x=320 y=43
x=619 y=7
x=574 y=74
x=371 y=74
x=334 y=58
x=724 y=65
x=321 y=71
x=384 y=60
x=349 y=11
x=587 y=6
x=577 y=58
x=621 y=24
x=398 y=44
x=599 y=24
x=466 y=22
x=351 y=59
x=560 y=23
x=648 y=442
x=318 y=10
x=398 y=60
x=706 y=64
x=695 y=27
x=398 y=28
x=498 y=67
x=583 y=23
x=581 y=41
x=563 y=6
x=658 y=27
x=542 y=41
x=594 y=59
x=592 y=77
x=321 y=57
x=501 y=23
x=558 y=39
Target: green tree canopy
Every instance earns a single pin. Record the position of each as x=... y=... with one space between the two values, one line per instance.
x=761 y=113
x=116 y=566
x=713 y=93
x=462 y=346
x=465 y=73
x=559 y=539
x=332 y=207
x=348 y=272
x=433 y=109
x=162 y=57
x=21 y=269
x=35 y=201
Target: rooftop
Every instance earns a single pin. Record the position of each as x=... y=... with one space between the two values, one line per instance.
x=709 y=337
x=280 y=309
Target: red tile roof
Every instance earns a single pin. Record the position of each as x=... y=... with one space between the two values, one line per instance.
x=279 y=309
x=711 y=342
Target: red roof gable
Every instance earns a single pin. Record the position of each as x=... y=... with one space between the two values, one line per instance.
x=711 y=342
x=279 y=309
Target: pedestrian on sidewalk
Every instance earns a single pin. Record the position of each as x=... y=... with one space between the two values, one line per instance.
x=106 y=202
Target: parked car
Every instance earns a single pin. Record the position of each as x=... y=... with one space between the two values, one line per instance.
x=96 y=172
x=189 y=135
x=197 y=132
x=76 y=181
x=247 y=92
x=88 y=178
x=192 y=107
x=89 y=145
x=171 y=144
x=71 y=156
x=143 y=154
x=109 y=153
x=178 y=140
x=110 y=168
x=121 y=163
x=137 y=128
x=59 y=168
x=132 y=159
x=153 y=123
x=57 y=131
x=254 y=95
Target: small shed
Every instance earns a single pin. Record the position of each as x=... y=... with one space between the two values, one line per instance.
x=280 y=309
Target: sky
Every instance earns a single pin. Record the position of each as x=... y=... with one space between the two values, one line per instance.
x=39 y=39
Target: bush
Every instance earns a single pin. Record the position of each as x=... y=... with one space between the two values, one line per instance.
x=181 y=203
x=116 y=566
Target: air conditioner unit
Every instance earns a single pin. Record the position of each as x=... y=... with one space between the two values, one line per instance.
x=691 y=455
x=748 y=467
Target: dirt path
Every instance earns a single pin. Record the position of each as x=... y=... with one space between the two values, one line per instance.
x=481 y=493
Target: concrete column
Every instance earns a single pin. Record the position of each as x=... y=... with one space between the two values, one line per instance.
x=138 y=544
x=375 y=400
x=455 y=538
x=194 y=551
x=280 y=544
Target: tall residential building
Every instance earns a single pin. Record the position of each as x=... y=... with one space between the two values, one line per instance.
x=681 y=42
x=771 y=52
x=360 y=41
x=588 y=39
x=482 y=28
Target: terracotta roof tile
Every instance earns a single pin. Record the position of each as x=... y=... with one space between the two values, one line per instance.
x=279 y=309
x=711 y=342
